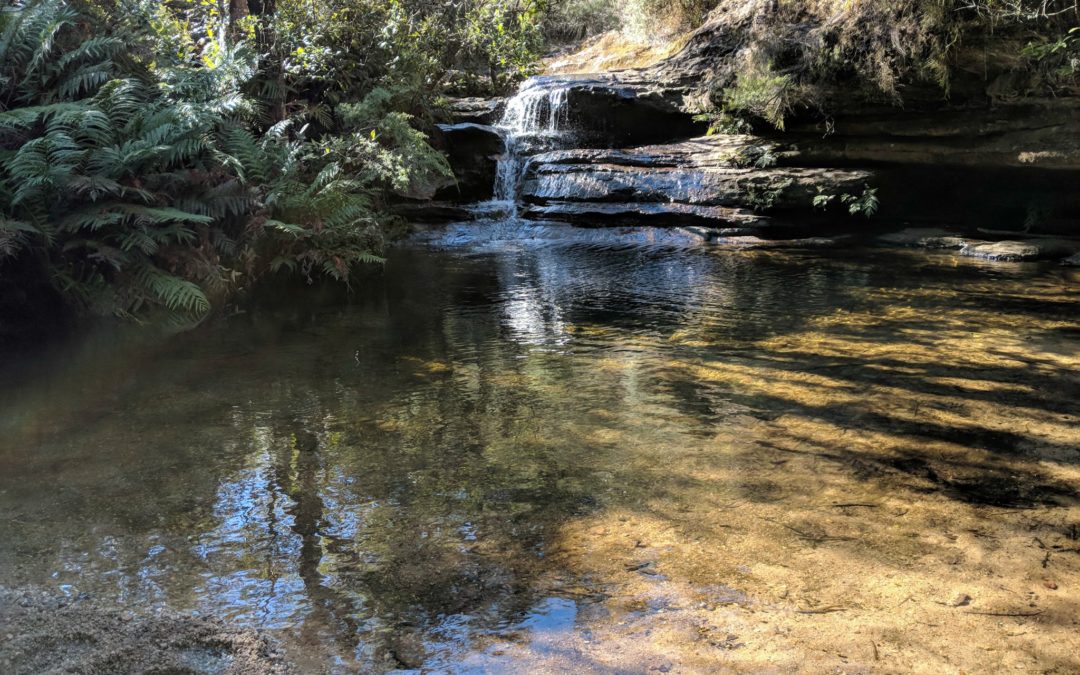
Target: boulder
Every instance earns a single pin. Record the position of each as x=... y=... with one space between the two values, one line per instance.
x=473 y=151
x=432 y=211
x=1022 y=134
x=475 y=109
x=614 y=110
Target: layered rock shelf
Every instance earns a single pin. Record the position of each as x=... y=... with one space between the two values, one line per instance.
x=626 y=147
x=703 y=179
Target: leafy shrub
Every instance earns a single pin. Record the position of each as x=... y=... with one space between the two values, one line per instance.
x=658 y=20
x=505 y=37
x=570 y=21
x=790 y=54
x=866 y=204
x=140 y=191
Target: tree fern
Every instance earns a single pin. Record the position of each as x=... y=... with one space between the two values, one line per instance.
x=145 y=188
x=175 y=293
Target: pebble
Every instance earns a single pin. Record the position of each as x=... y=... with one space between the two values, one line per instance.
x=961 y=600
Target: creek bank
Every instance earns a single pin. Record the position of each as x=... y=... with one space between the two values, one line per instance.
x=574 y=162
x=43 y=632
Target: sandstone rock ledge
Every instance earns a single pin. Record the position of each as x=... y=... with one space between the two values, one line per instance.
x=723 y=180
x=1006 y=250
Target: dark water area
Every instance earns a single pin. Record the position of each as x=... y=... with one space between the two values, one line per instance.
x=528 y=448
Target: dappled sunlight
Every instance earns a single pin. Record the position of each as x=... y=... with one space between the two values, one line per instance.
x=909 y=501
x=612 y=51
x=589 y=459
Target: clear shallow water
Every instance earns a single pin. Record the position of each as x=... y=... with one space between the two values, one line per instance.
x=545 y=448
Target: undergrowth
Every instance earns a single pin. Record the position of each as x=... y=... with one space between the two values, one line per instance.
x=786 y=55
x=154 y=188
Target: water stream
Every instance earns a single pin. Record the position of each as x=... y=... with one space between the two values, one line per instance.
x=536 y=449
x=535 y=118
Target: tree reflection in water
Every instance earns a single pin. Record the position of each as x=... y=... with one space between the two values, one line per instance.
x=499 y=448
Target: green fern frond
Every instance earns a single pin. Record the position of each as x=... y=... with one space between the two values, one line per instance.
x=287 y=228
x=175 y=293
x=85 y=80
x=93 y=49
x=20 y=118
x=92 y=219
x=161 y=214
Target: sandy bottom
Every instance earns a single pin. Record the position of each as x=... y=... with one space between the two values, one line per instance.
x=889 y=484
x=913 y=510
x=48 y=633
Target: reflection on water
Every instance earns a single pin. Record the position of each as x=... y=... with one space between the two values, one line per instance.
x=578 y=450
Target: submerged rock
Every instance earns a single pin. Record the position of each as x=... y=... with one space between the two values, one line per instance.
x=1003 y=251
x=924 y=237
x=1019 y=251
x=803 y=242
x=45 y=632
x=660 y=213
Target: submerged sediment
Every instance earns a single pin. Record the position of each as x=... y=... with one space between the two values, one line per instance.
x=51 y=632
x=548 y=449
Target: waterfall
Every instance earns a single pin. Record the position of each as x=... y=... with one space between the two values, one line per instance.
x=532 y=121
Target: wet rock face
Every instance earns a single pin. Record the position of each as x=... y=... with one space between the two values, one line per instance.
x=473 y=151
x=610 y=113
x=703 y=179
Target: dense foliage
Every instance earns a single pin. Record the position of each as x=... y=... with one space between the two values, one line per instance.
x=155 y=157
x=799 y=53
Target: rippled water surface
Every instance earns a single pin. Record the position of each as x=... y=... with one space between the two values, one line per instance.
x=528 y=449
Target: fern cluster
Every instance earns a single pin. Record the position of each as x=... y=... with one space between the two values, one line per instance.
x=139 y=190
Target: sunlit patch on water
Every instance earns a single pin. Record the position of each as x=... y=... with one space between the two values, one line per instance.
x=540 y=448
x=505 y=235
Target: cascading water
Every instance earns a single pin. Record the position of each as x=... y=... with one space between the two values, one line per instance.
x=533 y=120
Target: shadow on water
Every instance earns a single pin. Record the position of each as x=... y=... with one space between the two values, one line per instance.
x=440 y=472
